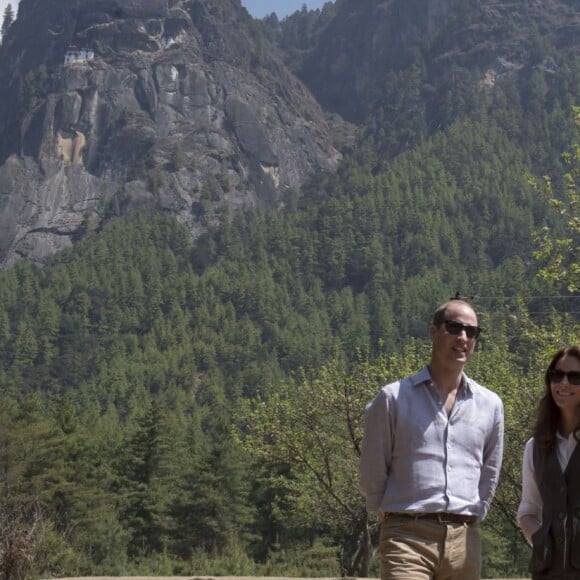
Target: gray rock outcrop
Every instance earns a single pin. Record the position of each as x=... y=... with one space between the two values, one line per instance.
x=111 y=105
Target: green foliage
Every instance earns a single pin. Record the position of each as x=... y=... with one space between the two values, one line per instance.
x=156 y=178
x=24 y=536
x=297 y=33
x=195 y=407
x=561 y=253
x=147 y=474
x=177 y=156
x=314 y=427
x=125 y=359
x=512 y=365
x=34 y=88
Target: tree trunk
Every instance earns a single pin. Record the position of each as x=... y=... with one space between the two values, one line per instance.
x=361 y=561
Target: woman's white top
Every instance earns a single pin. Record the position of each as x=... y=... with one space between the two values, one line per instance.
x=531 y=502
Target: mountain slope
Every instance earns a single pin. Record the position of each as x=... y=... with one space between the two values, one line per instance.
x=367 y=42
x=115 y=104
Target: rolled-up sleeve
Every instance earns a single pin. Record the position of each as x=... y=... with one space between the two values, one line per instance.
x=492 y=459
x=375 y=452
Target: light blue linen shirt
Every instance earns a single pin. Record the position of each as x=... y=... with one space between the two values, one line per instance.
x=415 y=458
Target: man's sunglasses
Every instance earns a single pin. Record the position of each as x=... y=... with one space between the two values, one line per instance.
x=557 y=376
x=455 y=328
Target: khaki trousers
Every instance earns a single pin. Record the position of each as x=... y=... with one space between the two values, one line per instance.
x=424 y=549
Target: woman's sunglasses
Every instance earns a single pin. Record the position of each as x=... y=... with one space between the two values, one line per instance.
x=557 y=376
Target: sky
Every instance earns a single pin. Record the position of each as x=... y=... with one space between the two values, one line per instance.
x=257 y=8
x=3 y=4
x=282 y=8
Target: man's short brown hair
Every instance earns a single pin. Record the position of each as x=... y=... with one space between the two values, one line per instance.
x=440 y=314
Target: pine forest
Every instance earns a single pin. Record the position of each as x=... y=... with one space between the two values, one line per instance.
x=173 y=405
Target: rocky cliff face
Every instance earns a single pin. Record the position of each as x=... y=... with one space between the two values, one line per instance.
x=111 y=105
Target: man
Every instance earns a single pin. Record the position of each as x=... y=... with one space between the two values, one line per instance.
x=431 y=457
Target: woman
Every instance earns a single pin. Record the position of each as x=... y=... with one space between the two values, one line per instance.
x=549 y=512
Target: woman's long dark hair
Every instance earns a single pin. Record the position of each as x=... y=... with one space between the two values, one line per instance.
x=548 y=417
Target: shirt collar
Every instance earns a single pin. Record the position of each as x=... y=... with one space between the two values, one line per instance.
x=424 y=376
x=570 y=439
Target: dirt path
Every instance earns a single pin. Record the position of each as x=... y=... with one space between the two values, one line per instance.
x=215 y=578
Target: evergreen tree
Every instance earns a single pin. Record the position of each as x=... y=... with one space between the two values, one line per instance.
x=8 y=19
x=147 y=472
x=212 y=508
x=560 y=255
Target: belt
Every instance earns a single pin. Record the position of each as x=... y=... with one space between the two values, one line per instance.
x=441 y=517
